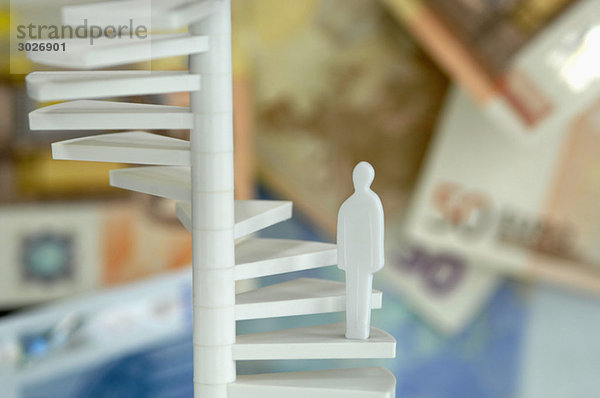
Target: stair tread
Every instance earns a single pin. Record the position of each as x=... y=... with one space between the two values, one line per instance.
x=107 y=115
x=171 y=182
x=250 y=215
x=164 y=181
x=73 y=85
x=174 y=183
x=160 y=14
x=300 y=296
x=258 y=257
x=106 y=52
x=313 y=342
x=376 y=382
x=131 y=147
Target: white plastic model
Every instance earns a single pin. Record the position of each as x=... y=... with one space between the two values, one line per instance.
x=199 y=175
x=360 y=249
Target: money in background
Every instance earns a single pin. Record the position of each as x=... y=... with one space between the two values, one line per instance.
x=443 y=287
x=61 y=249
x=529 y=208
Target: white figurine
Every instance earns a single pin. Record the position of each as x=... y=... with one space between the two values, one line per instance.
x=360 y=249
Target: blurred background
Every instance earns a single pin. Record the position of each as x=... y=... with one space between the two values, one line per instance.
x=481 y=120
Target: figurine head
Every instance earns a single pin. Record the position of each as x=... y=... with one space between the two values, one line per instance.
x=363 y=176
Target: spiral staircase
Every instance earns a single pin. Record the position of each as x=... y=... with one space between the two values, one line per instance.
x=199 y=175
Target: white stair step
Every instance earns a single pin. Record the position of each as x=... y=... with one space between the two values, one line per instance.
x=300 y=296
x=335 y=383
x=106 y=52
x=261 y=257
x=162 y=15
x=254 y=215
x=174 y=183
x=313 y=342
x=250 y=215
x=180 y=16
x=131 y=147
x=108 y=115
x=63 y=86
x=164 y=181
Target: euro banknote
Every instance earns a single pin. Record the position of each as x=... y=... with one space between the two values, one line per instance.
x=523 y=62
x=52 y=250
x=445 y=288
x=529 y=208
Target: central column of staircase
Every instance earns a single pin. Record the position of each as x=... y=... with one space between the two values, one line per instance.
x=211 y=143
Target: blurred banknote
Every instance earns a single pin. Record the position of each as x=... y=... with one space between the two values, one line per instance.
x=116 y=343
x=52 y=250
x=527 y=207
x=523 y=62
x=443 y=287
x=529 y=341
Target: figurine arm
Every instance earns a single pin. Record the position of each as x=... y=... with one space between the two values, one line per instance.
x=378 y=236
x=340 y=239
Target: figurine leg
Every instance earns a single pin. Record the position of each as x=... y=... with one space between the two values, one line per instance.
x=358 y=305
